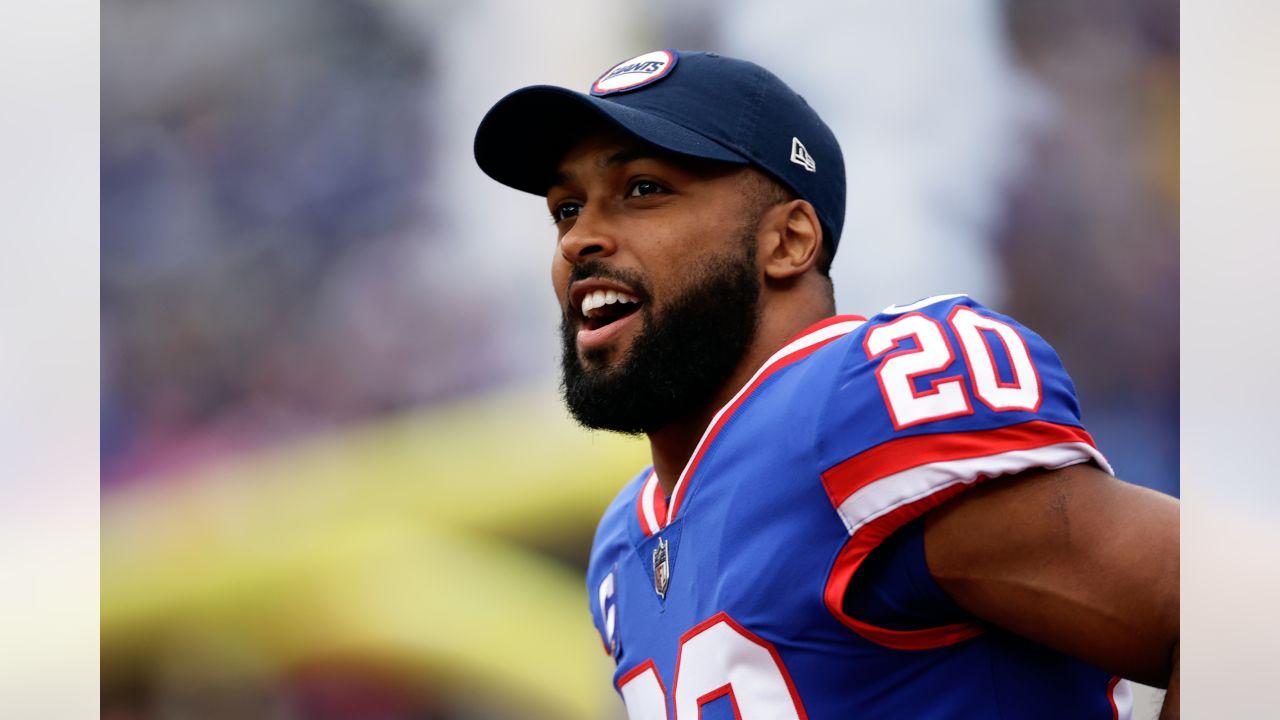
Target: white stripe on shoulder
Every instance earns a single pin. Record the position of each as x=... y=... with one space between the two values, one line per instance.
x=1122 y=694
x=902 y=488
x=900 y=309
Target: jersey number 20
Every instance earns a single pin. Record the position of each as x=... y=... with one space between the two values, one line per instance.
x=718 y=659
x=946 y=396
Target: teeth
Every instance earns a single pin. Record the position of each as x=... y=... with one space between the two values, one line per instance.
x=600 y=298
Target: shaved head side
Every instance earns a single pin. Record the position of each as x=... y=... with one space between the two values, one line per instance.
x=763 y=192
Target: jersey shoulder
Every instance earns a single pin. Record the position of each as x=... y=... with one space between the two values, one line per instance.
x=925 y=401
x=942 y=393
x=944 y=365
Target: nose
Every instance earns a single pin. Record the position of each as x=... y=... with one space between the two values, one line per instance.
x=590 y=238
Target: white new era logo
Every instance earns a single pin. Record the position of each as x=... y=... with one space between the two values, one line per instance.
x=800 y=156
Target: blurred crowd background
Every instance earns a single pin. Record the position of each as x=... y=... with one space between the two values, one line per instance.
x=336 y=479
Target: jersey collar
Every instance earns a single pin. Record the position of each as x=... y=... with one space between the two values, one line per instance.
x=652 y=507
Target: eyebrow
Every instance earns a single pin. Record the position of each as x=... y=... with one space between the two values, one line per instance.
x=622 y=157
x=626 y=155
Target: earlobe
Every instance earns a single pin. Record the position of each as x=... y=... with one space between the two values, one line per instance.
x=795 y=242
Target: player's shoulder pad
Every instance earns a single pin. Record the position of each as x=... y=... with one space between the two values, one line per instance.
x=931 y=399
x=942 y=365
x=927 y=400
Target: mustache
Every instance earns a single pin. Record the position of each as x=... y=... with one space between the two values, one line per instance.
x=597 y=269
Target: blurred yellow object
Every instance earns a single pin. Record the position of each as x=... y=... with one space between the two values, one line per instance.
x=394 y=544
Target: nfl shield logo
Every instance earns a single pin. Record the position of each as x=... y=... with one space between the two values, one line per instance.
x=661 y=568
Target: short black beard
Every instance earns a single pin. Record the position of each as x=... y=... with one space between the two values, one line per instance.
x=684 y=356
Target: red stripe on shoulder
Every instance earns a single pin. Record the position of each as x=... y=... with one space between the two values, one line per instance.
x=847 y=478
x=901 y=454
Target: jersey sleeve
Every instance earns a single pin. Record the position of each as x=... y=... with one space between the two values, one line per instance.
x=893 y=587
x=931 y=399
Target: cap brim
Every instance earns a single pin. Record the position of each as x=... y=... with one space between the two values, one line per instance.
x=522 y=139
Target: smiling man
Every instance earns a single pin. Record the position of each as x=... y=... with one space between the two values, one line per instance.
x=894 y=517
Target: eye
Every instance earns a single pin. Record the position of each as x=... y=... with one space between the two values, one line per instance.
x=640 y=188
x=565 y=210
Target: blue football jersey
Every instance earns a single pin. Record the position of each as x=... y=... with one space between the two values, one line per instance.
x=726 y=600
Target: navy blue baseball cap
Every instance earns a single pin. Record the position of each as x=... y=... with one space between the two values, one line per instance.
x=690 y=103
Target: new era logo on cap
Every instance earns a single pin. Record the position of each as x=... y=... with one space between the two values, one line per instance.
x=636 y=72
x=800 y=155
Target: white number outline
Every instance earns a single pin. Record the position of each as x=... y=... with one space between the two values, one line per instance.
x=996 y=394
x=642 y=701
x=899 y=389
x=907 y=407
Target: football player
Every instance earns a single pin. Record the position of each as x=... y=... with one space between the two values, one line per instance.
x=898 y=516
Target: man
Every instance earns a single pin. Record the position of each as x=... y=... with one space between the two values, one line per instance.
x=845 y=518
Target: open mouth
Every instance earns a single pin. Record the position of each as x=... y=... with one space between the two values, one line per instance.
x=601 y=308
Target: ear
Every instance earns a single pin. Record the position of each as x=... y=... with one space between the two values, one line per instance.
x=792 y=239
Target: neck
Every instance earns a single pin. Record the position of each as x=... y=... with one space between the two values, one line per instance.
x=672 y=445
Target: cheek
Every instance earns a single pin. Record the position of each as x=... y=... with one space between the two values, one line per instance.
x=560 y=269
x=670 y=256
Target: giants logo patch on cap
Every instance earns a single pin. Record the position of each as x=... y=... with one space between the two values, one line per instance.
x=636 y=72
